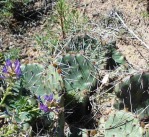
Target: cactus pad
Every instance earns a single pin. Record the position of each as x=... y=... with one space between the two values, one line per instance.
x=133 y=90
x=105 y=56
x=77 y=72
x=123 y=124
x=40 y=80
x=79 y=77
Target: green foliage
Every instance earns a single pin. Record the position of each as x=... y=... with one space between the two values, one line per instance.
x=114 y=57
x=68 y=17
x=7 y=7
x=18 y=15
x=12 y=54
x=145 y=14
x=32 y=78
x=20 y=110
x=25 y=109
x=65 y=20
x=41 y=81
x=61 y=12
x=20 y=99
x=48 y=42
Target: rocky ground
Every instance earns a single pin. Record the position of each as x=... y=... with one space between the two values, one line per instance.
x=127 y=22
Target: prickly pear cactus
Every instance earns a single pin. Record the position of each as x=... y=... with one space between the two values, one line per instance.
x=82 y=43
x=79 y=77
x=90 y=47
x=104 y=56
x=114 y=57
x=40 y=80
x=77 y=72
x=54 y=79
x=132 y=91
x=123 y=124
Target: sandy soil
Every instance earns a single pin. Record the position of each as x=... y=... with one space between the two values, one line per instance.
x=136 y=21
x=105 y=25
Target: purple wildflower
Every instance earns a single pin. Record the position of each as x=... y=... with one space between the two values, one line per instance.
x=11 y=69
x=44 y=107
x=8 y=63
x=49 y=98
x=17 y=68
x=4 y=69
x=2 y=77
x=50 y=103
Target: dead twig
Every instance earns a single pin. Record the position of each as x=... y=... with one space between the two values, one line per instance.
x=131 y=31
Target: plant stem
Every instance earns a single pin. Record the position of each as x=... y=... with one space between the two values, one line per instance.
x=61 y=123
x=61 y=10
x=62 y=27
x=34 y=110
x=8 y=92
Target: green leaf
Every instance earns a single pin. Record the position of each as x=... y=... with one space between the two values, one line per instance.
x=25 y=116
x=118 y=57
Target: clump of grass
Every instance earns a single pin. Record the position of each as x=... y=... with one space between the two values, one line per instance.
x=13 y=54
x=64 y=22
x=145 y=14
x=7 y=7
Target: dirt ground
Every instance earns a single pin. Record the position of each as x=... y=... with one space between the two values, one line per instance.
x=133 y=30
x=125 y=21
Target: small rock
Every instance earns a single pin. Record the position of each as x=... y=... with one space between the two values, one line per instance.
x=11 y=43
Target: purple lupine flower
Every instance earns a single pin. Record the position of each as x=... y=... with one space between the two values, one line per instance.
x=2 y=76
x=4 y=69
x=50 y=103
x=17 y=68
x=49 y=98
x=8 y=63
x=11 y=69
x=44 y=107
